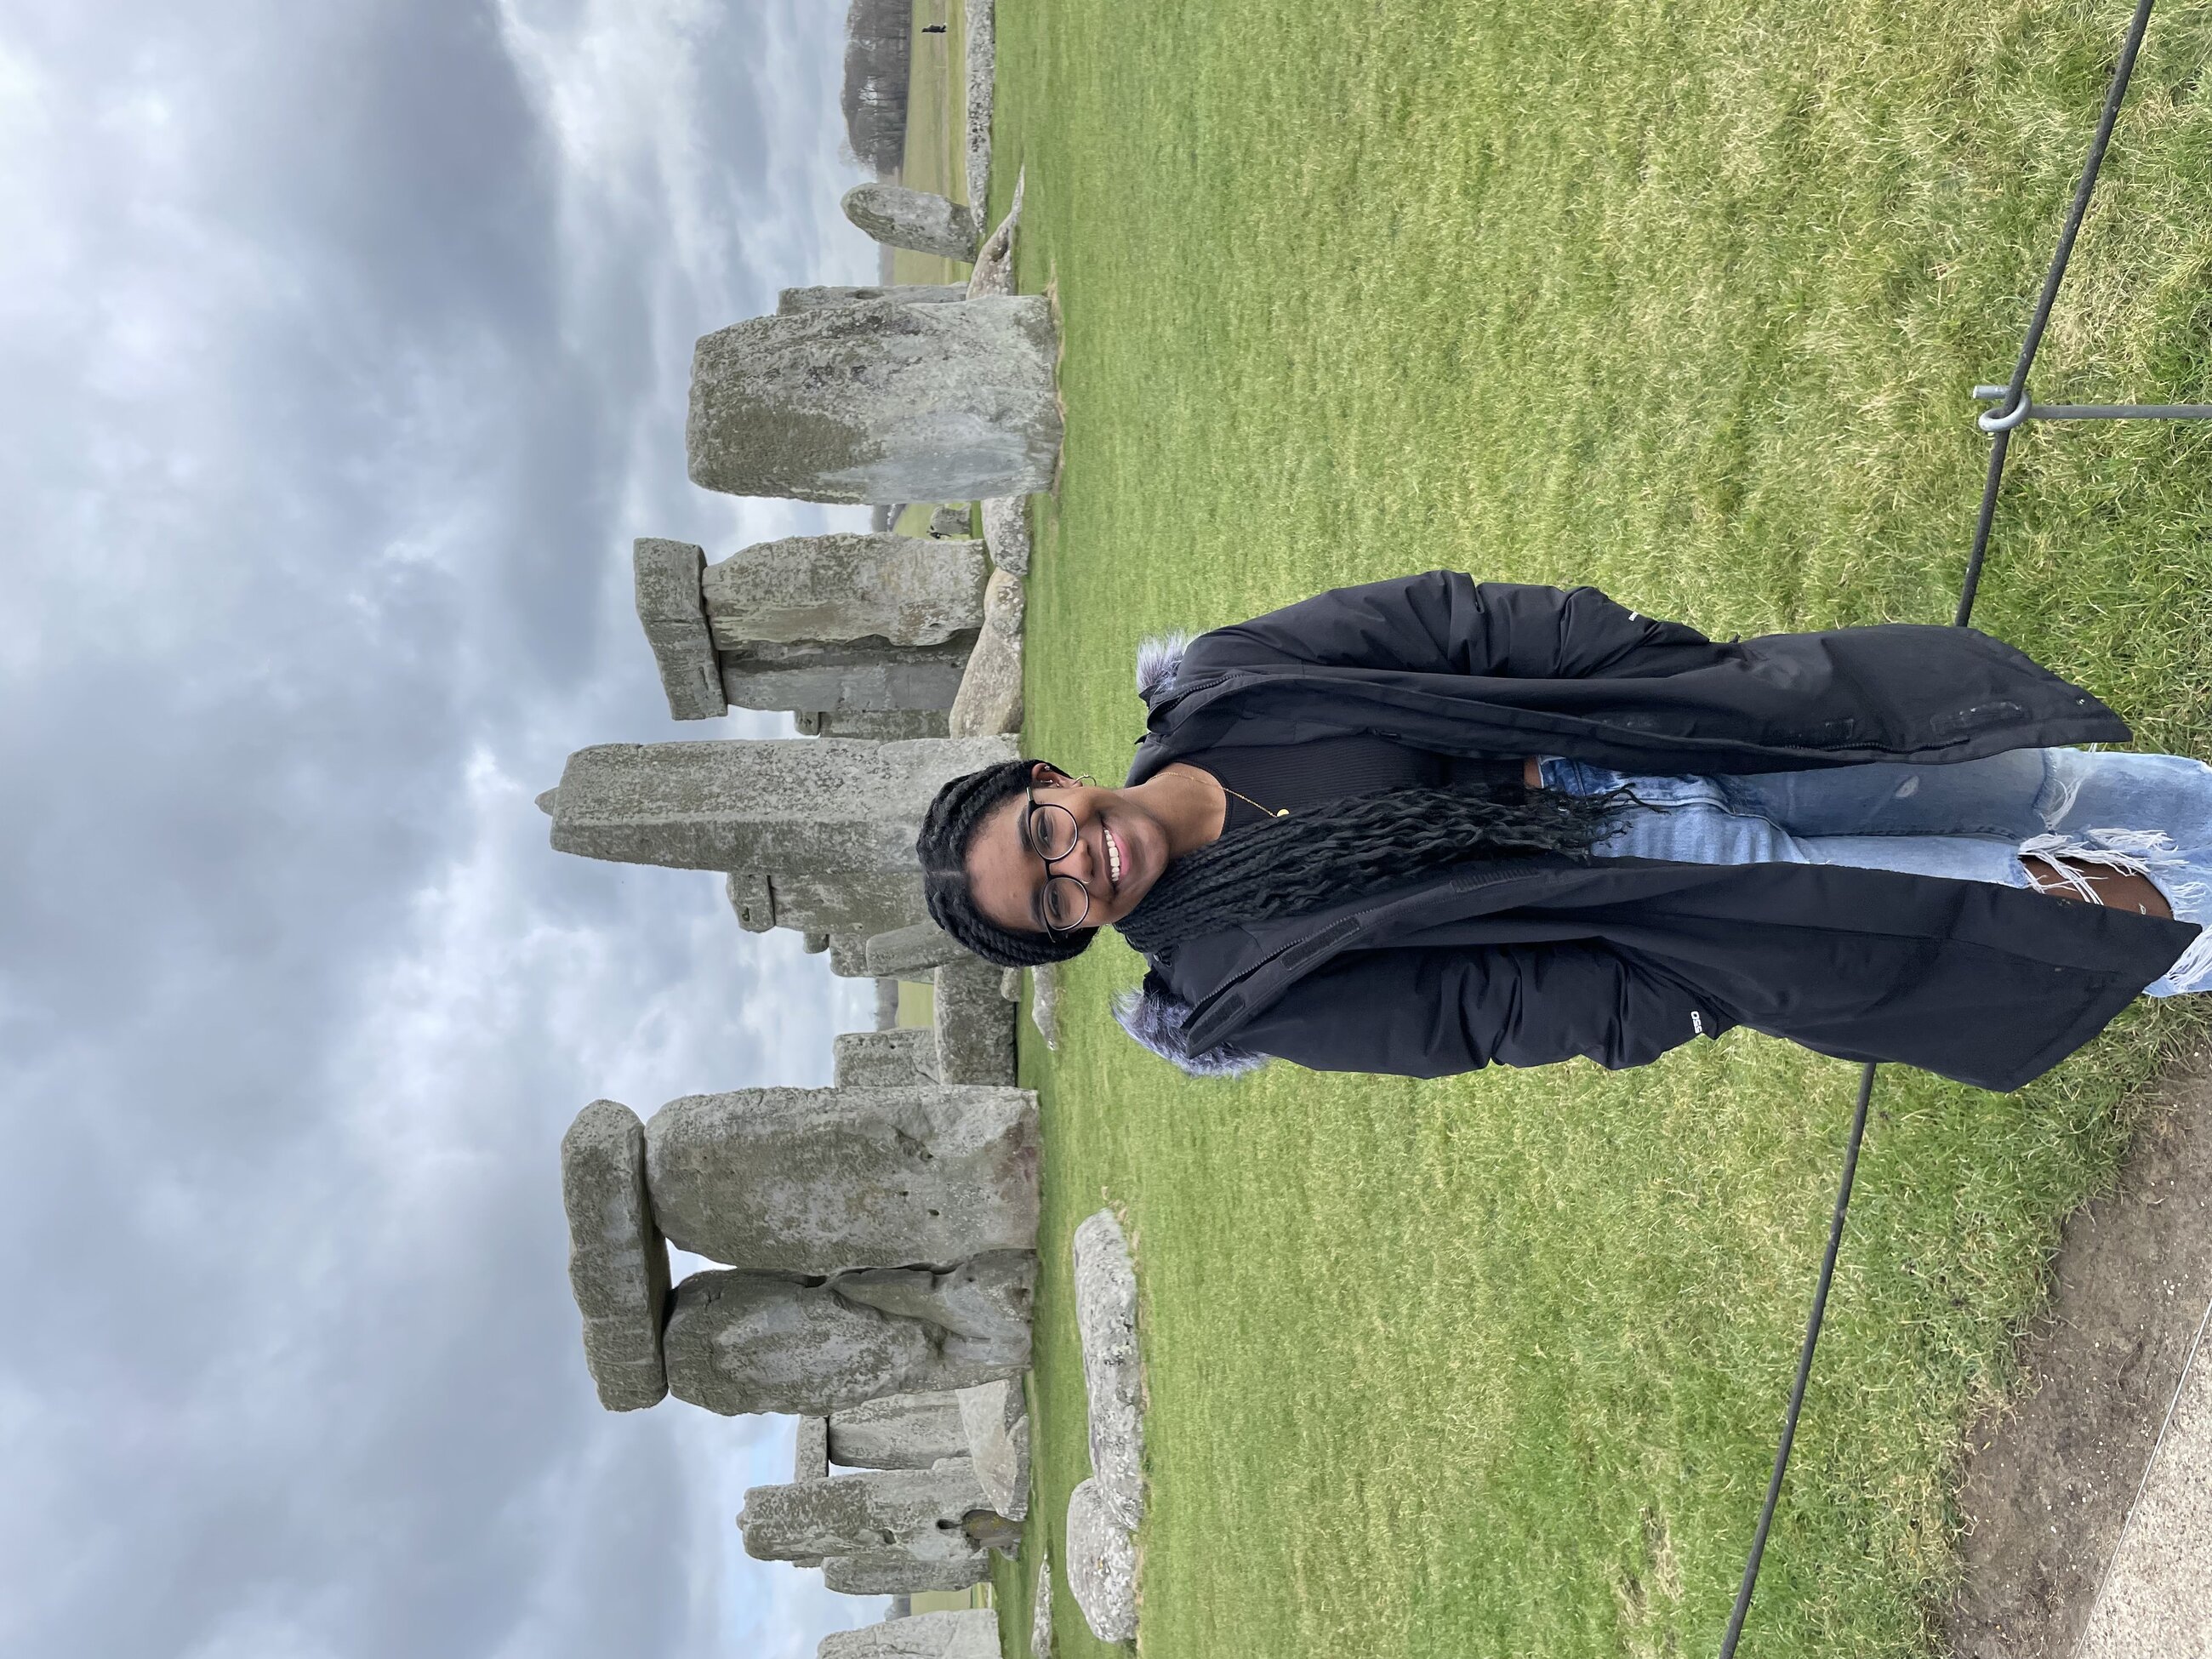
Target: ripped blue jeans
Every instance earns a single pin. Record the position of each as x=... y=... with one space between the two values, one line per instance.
x=2150 y=815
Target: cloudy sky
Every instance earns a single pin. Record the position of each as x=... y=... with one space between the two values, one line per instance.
x=342 y=349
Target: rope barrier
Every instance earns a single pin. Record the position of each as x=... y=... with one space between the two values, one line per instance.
x=2015 y=408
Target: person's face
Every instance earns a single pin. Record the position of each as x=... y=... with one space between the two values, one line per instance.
x=1117 y=851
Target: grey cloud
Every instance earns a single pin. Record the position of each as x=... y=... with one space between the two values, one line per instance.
x=337 y=383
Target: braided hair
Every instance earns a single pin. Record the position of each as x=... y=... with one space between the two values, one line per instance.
x=946 y=831
x=1358 y=845
x=1280 y=868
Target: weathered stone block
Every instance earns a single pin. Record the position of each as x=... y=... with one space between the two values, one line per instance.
x=908 y=590
x=880 y=726
x=1006 y=533
x=666 y=580
x=887 y=1002
x=1102 y=1565
x=990 y=696
x=848 y=956
x=996 y=1420
x=982 y=1306
x=819 y=805
x=923 y=1511
x=751 y=898
x=864 y=904
x=1040 y=1608
x=1113 y=1377
x=617 y=1265
x=810 y=1459
x=895 y=1572
x=1044 y=1003
x=906 y=952
x=902 y=1058
x=914 y=219
x=975 y=1023
x=968 y=1633
x=879 y=402
x=981 y=76
x=902 y=1432
x=951 y=523
x=821 y=1180
x=845 y=678
x=738 y=1343
x=906 y=293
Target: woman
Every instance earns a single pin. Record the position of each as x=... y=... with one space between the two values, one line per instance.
x=1425 y=824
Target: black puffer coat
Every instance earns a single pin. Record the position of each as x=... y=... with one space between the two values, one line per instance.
x=1533 y=961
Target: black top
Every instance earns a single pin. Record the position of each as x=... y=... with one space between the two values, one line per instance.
x=1290 y=775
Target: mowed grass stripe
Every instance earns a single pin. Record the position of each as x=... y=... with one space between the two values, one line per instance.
x=1684 y=303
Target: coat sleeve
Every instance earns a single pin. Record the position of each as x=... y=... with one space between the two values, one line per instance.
x=1444 y=621
x=1433 y=1011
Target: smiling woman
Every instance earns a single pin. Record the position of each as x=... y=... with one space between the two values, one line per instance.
x=1335 y=846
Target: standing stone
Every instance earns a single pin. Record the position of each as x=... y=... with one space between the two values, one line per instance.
x=895 y=1572
x=810 y=1460
x=908 y=590
x=1102 y=1565
x=879 y=402
x=996 y=1420
x=982 y=1306
x=923 y=1511
x=738 y=1343
x=1041 y=1607
x=1044 y=1002
x=617 y=1265
x=914 y=219
x=887 y=1001
x=822 y=1181
x=906 y=293
x=994 y=261
x=950 y=523
x=901 y=1057
x=982 y=77
x=857 y=903
x=974 y=1023
x=1113 y=1377
x=844 y=678
x=914 y=949
x=990 y=696
x=902 y=1432
x=968 y=1634
x=819 y=805
x=1006 y=533
x=666 y=576
x=848 y=956
x=880 y=726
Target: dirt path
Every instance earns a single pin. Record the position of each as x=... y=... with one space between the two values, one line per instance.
x=2048 y=1483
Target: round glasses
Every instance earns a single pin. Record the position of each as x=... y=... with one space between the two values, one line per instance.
x=1052 y=832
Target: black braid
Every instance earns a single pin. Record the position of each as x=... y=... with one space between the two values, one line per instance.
x=953 y=818
x=1361 y=844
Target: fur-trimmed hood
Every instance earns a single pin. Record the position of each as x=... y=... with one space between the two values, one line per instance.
x=1153 y=1013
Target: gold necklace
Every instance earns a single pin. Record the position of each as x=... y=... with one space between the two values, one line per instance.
x=1279 y=813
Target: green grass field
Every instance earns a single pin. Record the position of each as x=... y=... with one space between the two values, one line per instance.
x=1684 y=301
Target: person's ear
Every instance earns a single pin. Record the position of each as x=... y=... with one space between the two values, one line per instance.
x=1048 y=777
